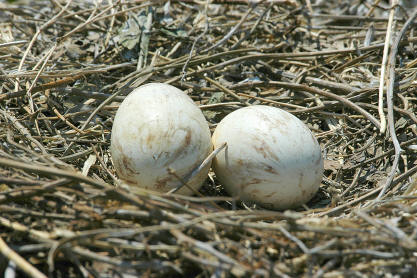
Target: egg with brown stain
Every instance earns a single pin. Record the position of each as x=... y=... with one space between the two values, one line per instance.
x=158 y=128
x=272 y=158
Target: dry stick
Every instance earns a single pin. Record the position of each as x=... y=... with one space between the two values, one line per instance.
x=190 y=56
x=54 y=172
x=144 y=40
x=406 y=143
x=353 y=183
x=114 y=232
x=199 y=168
x=42 y=87
x=110 y=29
x=239 y=42
x=333 y=86
x=300 y=87
x=384 y=66
x=23 y=130
x=206 y=248
x=350 y=17
x=26 y=133
x=390 y=91
x=103 y=164
x=29 y=192
x=198 y=60
x=76 y=14
x=48 y=23
x=66 y=121
x=335 y=210
x=408 y=113
x=29 y=91
x=35 y=234
x=90 y=20
x=214 y=105
x=46 y=59
x=21 y=263
x=7 y=44
x=70 y=77
x=300 y=244
x=146 y=4
x=277 y=56
x=245 y=2
x=223 y=88
x=273 y=101
x=365 y=196
x=371 y=10
x=233 y=30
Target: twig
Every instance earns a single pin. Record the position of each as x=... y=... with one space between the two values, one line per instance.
x=300 y=87
x=223 y=88
x=29 y=269
x=54 y=171
x=390 y=92
x=144 y=40
x=233 y=30
x=90 y=20
x=8 y=44
x=190 y=55
x=29 y=91
x=238 y=43
x=199 y=168
x=27 y=193
x=48 y=23
x=382 y=119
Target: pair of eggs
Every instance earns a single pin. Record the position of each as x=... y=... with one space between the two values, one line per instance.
x=160 y=136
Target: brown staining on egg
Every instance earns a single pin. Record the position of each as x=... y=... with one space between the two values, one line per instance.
x=187 y=139
x=255 y=192
x=119 y=168
x=182 y=150
x=130 y=182
x=300 y=181
x=251 y=182
x=150 y=138
x=270 y=194
x=304 y=193
x=268 y=205
x=127 y=163
x=124 y=165
x=240 y=162
x=162 y=183
x=266 y=151
x=274 y=122
x=271 y=170
x=318 y=160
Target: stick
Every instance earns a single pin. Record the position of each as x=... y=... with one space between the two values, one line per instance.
x=390 y=91
x=384 y=66
x=21 y=263
x=199 y=168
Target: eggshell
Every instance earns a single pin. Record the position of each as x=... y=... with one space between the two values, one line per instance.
x=155 y=128
x=272 y=158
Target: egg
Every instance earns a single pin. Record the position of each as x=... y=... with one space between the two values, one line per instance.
x=158 y=128
x=271 y=158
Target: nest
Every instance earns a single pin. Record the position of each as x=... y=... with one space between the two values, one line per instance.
x=66 y=66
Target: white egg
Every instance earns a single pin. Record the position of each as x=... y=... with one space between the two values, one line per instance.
x=156 y=128
x=271 y=158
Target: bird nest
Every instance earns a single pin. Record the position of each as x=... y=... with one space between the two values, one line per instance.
x=345 y=68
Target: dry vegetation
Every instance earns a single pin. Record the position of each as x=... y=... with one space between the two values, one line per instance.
x=66 y=66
